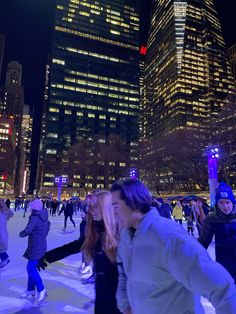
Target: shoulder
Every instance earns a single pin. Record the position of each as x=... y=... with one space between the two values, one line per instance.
x=163 y=230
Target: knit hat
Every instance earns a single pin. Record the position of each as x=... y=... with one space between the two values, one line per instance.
x=224 y=191
x=36 y=204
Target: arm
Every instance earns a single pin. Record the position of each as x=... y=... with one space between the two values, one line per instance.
x=121 y=294
x=62 y=209
x=201 y=275
x=207 y=233
x=30 y=227
x=64 y=251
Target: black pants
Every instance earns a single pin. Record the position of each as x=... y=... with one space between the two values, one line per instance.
x=71 y=219
x=179 y=221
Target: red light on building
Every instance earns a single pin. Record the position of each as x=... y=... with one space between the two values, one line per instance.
x=143 y=50
x=4 y=177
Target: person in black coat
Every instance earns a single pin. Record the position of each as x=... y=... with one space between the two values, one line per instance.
x=222 y=224
x=68 y=209
x=36 y=230
x=99 y=245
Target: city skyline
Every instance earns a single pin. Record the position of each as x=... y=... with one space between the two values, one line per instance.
x=30 y=46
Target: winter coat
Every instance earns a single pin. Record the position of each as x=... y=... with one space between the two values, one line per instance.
x=105 y=272
x=69 y=209
x=178 y=212
x=163 y=270
x=223 y=227
x=165 y=210
x=5 y=215
x=37 y=230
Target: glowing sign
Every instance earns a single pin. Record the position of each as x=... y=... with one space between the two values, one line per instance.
x=143 y=50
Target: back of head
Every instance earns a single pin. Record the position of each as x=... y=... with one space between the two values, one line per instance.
x=135 y=194
x=36 y=204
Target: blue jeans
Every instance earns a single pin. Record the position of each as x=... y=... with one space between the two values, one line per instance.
x=34 y=279
x=4 y=256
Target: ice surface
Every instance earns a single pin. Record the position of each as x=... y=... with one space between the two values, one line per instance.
x=66 y=294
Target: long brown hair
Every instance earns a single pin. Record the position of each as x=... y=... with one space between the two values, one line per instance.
x=110 y=236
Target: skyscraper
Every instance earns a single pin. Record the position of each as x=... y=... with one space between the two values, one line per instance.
x=2 y=46
x=187 y=75
x=7 y=156
x=232 y=59
x=94 y=79
x=26 y=139
x=13 y=105
x=187 y=72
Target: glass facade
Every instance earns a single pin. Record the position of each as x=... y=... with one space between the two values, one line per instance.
x=93 y=77
x=187 y=72
x=187 y=81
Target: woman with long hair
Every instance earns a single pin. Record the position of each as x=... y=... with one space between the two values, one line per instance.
x=99 y=246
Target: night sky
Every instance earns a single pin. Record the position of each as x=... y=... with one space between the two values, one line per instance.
x=27 y=25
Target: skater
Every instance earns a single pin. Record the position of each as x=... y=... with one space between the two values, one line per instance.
x=188 y=214
x=161 y=269
x=178 y=212
x=85 y=269
x=99 y=245
x=37 y=230
x=68 y=209
x=222 y=224
x=5 y=215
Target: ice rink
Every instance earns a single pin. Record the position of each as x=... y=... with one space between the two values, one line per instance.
x=66 y=294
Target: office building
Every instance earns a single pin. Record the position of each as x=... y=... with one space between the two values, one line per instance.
x=187 y=74
x=93 y=86
x=232 y=59
x=13 y=106
x=7 y=156
x=26 y=138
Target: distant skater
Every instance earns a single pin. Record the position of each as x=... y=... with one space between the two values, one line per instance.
x=36 y=230
x=68 y=209
x=5 y=215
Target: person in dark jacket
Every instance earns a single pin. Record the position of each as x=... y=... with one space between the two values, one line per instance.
x=68 y=209
x=36 y=230
x=165 y=209
x=222 y=224
x=8 y=203
x=99 y=245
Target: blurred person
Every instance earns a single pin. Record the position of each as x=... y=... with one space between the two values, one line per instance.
x=165 y=208
x=178 y=212
x=161 y=269
x=36 y=230
x=222 y=224
x=99 y=246
x=8 y=203
x=53 y=207
x=188 y=214
x=68 y=209
x=5 y=215
x=198 y=215
x=84 y=267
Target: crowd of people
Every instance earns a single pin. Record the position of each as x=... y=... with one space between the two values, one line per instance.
x=142 y=258
x=193 y=210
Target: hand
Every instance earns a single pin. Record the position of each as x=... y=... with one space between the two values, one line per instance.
x=42 y=264
x=22 y=234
